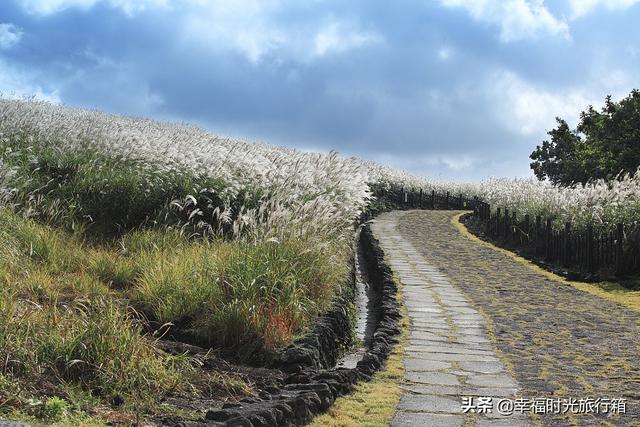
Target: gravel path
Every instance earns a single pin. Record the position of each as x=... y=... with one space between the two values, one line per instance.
x=497 y=328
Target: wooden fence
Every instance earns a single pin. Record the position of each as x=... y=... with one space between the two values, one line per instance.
x=402 y=199
x=588 y=251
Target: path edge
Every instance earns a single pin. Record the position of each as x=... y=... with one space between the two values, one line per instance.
x=581 y=286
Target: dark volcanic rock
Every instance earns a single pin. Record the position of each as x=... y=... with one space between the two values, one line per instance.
x=311 y=386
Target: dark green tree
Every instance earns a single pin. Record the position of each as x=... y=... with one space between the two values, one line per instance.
x=604 y=144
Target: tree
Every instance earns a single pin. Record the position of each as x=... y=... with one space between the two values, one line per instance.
x=604 y=144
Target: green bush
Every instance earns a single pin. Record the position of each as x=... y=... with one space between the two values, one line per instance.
x=54 y=408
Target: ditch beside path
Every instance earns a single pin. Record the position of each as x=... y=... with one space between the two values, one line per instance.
x=486 y=325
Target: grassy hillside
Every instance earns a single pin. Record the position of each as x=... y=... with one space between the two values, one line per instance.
x=118 y=232
x=106 y=247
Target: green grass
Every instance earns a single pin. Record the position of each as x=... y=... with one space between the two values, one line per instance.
x=239 y=296
x=109 y=193
x=71 y=311
x=60 y=327
x=96 y=246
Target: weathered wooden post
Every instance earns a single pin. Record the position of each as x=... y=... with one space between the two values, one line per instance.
x=447 y=202
x=547 y=240
x=487 y=211
x=567 y=243
x=421 y=198
x=460 y=202
x=505 y=224
x=619 y=248
x=538 y=232
x=590 y=263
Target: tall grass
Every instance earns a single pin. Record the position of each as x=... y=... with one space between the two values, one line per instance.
x=240 y=296
x=66 y=316
x=59 y=326
x=234 y=245
x=599 y=203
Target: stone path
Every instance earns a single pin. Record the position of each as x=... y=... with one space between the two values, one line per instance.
x=449 y=355
x=556 y=341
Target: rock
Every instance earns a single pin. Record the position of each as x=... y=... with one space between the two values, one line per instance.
x=229 y=405
x=222 y=414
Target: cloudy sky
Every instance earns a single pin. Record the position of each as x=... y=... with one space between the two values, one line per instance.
x=453 y=89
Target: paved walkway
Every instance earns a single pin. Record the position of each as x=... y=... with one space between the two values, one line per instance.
x=449 y=355
x=475 y=311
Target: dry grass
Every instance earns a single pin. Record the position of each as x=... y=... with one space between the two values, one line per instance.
x=68 y=329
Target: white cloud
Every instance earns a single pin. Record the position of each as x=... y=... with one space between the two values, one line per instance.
x=583 y=7
x=242 y=25
x=336 y=38
x=10 y=35
x=528 y=110
x=18 y=83
x=458 y=163
x=430 y=163
x=251 y=27
x=517 y=19
x=129 y=7
x=444 y=53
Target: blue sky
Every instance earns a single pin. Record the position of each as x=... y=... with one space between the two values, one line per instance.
x=451 y=89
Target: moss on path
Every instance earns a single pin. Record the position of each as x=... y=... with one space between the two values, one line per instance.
x=561 y=342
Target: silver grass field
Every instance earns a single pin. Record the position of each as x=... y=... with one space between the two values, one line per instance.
x=110 y=224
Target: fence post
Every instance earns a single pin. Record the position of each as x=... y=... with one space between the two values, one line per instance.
x=619 y=254
x=487 y=212
x=538 y=232
x=505 y=224
x=526 y=228
x=460 y=202
x=512 y=228
x=447 y=203
x=566 y=248
x=547 y=240
x=421 y=198
x=590 y=266
x=498 y=227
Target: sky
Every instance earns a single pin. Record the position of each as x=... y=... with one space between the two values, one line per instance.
x=449 y=89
